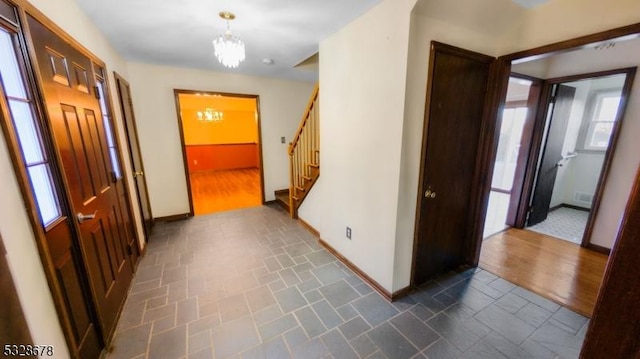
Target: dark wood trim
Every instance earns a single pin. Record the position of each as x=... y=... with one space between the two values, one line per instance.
x=174 y=218
x=400 y=293
x=621 y=33
x=370 y=281
x=269 y=203
x=117 y=78
x=176 y=94
x=487 y=151
x=524 y=77
x=522 y=161
x=609 y=155
x=614 y=331
x=566 y=205
x=590 y=75
x=121 y=157
x=309 y=227
x=281 y=191
x=599 y=249
x=534 y=147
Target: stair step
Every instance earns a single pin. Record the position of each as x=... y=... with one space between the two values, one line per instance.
x=295 y=198
x=306 y=178
x=300 y=189
x=314 y=165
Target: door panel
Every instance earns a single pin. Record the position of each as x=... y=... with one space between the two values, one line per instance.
x=126 y=103
x=552 y=153
x=79 y=136
x=455 y=103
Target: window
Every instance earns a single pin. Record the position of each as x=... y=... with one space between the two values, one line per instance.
x=601 y=120
x=513 y=120
x=23 y=116
x=113 y=152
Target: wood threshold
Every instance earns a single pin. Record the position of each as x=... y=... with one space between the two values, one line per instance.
x=558 y=270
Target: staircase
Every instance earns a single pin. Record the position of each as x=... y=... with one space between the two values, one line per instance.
x=304 y=158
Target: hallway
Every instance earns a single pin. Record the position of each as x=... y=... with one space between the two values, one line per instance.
x=254 y=284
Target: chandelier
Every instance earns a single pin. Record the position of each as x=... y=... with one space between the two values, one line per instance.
x=210 y=115
x=229 y=49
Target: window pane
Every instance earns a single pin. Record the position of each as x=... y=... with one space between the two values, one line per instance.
x=114 y=161
x=601 y=135
x=9 y=69
x=108 y=132
x=43 y=188
x=508 y=147
x=103 y=101
x=27 y=133
x=608 y=109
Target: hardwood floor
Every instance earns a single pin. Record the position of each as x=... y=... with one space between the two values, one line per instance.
x=555 y=269
x=217 y=191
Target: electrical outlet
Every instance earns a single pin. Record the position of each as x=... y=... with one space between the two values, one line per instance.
x=349 y=232
x=282 y=140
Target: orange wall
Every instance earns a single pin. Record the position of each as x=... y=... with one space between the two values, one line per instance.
x=236 y=127
x=222 y=157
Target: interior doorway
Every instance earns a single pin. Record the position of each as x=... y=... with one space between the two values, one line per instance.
x=221 y=149
x=578 y=135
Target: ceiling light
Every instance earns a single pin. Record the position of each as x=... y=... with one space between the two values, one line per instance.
x=210 y=115
x=229 y=49
x=267 y=61
x=605 y=46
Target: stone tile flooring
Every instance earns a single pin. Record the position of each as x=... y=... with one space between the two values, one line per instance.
x=254 y=284
x=564 y=223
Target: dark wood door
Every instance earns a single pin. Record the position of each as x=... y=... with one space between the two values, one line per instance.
x=558 y=114
x=456 y=93
x=79 y=137
x=126 y=104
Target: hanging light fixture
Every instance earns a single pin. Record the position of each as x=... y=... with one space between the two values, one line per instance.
x=229 y=49
x=210 y=115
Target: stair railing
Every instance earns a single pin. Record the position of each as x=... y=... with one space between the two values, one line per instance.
x=304 y=154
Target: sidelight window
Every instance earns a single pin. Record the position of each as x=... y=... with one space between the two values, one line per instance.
x=23 y=116
x=106 y=116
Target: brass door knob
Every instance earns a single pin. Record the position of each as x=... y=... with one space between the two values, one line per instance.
x=429 y=193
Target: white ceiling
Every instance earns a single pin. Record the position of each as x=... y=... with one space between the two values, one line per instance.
x=179 y=32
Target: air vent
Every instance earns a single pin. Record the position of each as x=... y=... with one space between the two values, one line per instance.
x=583 y=197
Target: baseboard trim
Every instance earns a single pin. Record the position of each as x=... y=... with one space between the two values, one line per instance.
x=173 y=218
x=268 y=203
x=309 y=227
x=599 y=249
x=565 y=205
x=281 y=191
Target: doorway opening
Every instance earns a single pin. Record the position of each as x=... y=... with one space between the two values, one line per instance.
x=575 y=109
x=222 y=150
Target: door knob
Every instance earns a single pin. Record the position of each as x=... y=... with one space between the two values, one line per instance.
x=136 y=174
x=85 y=217
x=429 y=193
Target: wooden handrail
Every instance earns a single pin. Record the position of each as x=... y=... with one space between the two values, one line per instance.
x=305 y=117
x=304 y=159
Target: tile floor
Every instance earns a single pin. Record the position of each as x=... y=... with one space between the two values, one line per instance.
x=564 y=223
x=254 y=284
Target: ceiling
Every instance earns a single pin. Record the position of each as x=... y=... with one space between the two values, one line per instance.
x=180 y=32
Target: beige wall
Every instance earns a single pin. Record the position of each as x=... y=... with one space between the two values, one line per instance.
x=281 y=106
x=362 y=108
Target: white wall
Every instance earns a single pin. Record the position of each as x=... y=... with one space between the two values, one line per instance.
x=362 y=77
x=281 y=106
x=627 y=156
x=22 y=253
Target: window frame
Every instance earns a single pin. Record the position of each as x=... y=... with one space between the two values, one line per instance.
x=594 y=103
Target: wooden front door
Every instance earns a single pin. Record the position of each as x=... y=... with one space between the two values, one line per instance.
x=556 y=129
x=126 y=104
x=67 y=78
x=456 y=94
